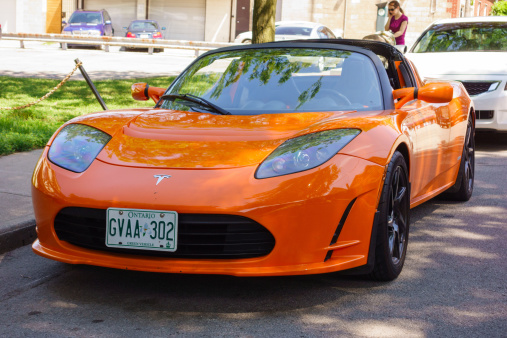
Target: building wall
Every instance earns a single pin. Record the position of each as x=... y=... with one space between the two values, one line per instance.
x=361 y=15
x=23 y=16
x=326 y=12
x=8 y=16
x=218 y=21
x=482 y=7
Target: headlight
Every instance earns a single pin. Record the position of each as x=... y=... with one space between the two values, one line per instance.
x=305 y=152
x=76 y=146
x=67 y=32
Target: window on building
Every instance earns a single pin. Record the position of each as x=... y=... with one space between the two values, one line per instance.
x=433 y=5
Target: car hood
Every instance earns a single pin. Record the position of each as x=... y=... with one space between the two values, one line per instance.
x=459 y=63
x=175 y=139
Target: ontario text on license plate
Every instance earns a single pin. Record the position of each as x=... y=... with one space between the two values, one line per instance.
x=142 y=229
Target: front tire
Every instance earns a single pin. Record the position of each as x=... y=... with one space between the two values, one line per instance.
x=394 y=220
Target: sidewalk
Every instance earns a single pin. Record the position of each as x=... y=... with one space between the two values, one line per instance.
x=17 y=223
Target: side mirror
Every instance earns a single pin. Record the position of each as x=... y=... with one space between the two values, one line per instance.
x=163 y=28
x=125 y=28
x=108 y=22
x=437 y=92
x=143 y=92
x=64 y=22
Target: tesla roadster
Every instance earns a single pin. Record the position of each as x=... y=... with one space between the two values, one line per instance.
x=282 y=158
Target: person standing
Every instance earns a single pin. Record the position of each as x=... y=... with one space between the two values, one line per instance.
x=397 y=22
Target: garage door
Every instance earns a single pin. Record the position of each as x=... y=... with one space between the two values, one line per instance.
x=184 y=20
x=121 y=12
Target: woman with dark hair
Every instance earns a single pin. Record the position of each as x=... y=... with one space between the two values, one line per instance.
x=397 y=22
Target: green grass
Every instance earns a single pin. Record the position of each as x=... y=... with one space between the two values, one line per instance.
x=30 y=128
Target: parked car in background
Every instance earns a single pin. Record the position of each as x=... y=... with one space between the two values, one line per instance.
x=91 y=23
x=293 y=30
x=473 y=51
x=145 y=29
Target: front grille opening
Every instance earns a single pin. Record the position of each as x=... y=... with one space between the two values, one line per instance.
x=477 y=87
x=199 y=235
x=485 y=114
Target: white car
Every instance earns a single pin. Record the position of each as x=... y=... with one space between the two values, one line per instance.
x=293 y=30
x=474 y=52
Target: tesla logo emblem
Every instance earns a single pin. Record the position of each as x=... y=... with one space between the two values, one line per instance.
x=161 y=177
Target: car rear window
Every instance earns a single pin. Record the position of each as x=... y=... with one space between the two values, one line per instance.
x=464 y=37
x=146 y=25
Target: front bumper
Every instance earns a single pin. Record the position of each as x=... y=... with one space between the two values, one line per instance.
x=302 y=211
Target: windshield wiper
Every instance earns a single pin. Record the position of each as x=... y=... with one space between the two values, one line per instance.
x=196 y=99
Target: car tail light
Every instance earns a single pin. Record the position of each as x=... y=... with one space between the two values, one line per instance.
x=157 y=35
x=130 y=35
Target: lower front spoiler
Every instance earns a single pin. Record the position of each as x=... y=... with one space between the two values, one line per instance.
x=219 y=267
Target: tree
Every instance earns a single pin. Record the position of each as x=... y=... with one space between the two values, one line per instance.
x=499 y=8
x=263 y=21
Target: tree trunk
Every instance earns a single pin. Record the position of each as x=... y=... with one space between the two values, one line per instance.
x=263 y=21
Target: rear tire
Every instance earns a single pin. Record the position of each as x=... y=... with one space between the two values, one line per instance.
x=463 y=188
x=394 y=221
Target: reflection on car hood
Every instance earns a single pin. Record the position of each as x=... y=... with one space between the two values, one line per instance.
x=459 y=63
x=176 y=139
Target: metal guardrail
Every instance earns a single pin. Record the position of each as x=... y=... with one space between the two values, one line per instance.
x=151 y=44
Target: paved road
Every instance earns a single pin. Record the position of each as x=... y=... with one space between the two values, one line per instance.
x=49 y=61
x=453 y=285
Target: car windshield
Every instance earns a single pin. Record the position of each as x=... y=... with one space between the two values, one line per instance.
x=293 y=30
x=281 y=80
x=143 y=25
x=464 y=37
x=79 y=17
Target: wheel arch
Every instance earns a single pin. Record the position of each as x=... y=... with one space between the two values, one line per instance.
x=403 y=149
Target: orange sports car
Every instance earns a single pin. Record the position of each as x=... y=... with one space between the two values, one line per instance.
x=284 y=158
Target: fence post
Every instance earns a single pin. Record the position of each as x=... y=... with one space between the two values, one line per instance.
x=92 y=86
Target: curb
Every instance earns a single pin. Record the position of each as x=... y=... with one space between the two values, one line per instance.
x=17 y=235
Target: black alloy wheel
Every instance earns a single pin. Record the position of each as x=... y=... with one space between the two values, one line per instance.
x=463 y=188
x=393 y=227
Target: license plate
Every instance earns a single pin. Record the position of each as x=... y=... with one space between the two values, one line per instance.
x=143 y=36
x=142 y=229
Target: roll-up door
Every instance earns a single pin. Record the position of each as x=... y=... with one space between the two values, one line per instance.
x=121 y=12
x=184 y=20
